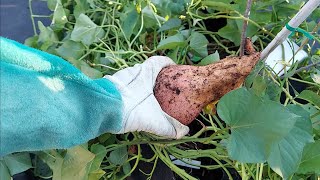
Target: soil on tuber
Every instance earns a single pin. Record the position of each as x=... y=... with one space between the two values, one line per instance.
x=183 y=90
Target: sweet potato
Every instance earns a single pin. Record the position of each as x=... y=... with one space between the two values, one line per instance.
x=183 y=90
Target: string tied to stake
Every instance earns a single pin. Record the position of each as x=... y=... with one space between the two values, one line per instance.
x=305 y=33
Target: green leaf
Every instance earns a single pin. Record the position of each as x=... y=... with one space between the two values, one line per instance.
x=172 y=42
x=316 y=76
x=251 y=29
x=291 y=71
x=170 y=8
x=47 y=35
x=91 y=3
x=32 y=41
x=254 y=73
x=71 y=50
x=285 y=155
x=310 y=96
x=75 y=163
x=80 y=7
x=54 y=160
x=86 y=31
x=210 y=59
x=170 y=24
x=100 y=152
x=262 y=130
x=231 y=32
x=59 y=16
x=255 y=124
x=126 y=168
x=18 y=162
x=118 y=156
x=96 y=175
x=198 y=43
x=104 y=137
x=151 y=18
x=186 y=33
x=89 y=71
x=315 y=14
x=316 y=58
x=315 y=114
x=52 y=4
x=310 y=162
x=130 y=23
x=110 y=140
x=273 y=91
x=173 y=54
x=286 y=10
x=4 y=171
x=259 y=85
x=41 y=168
x=220 y=6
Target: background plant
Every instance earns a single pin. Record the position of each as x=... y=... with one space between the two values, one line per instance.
x=101 y=37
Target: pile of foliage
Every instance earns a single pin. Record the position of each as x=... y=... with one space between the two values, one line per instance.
x=265 y=130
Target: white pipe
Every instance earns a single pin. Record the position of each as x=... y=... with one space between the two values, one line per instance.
x=295 y=22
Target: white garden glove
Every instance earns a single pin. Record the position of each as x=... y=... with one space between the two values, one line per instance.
x=142 y=111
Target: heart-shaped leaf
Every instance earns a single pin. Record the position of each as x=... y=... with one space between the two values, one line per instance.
x=198 y=43
x=170 y=24
x=59 y=16
x=18 y=162
x=130 y=23
x=310 y=161
x=263 y=130
x=255 y=124
x=119 y=156
x=172 y=42
x=86 y=30
x=4 y=171
x=310 y=96
x=71 y=50
x=210 y=59
x=285 y=155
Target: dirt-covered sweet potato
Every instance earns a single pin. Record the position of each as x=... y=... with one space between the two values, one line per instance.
x=183 y=90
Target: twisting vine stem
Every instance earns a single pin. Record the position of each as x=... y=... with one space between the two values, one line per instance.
x=244 y=27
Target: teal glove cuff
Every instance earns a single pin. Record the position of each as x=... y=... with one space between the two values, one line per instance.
x=47 y=103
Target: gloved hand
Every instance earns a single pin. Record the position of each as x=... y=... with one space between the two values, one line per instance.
x=142 y=111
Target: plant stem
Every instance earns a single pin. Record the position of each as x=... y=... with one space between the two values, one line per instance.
x=306 y=82
x=261 y=171
x=244 y=27
x=243 y=172
x=307 y=67
x=135 y=164
x=138 y=34
x=153 y=168
x=283 y=89
x=168 y=162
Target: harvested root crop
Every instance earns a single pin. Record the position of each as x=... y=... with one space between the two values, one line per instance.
x=183 y=90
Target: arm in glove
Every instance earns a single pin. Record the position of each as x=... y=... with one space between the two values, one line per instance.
x=47 y=103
